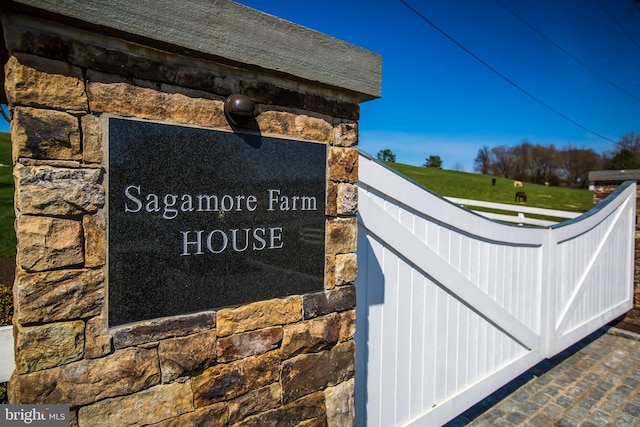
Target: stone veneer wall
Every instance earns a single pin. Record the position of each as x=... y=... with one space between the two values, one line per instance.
x=600 y=192
x=287 y=361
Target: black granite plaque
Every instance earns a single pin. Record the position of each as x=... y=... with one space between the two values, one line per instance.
x=202 y=219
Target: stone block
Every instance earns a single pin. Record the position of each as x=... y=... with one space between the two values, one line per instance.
x=346 y=134
x=347 y=325
x=347 y=199
x=148 y=406
x=39 y=82
x=247 y=344
x=227 y=85
x=304 y=374
x=332 y=198
x=274 y=123
x=297 y=413
x=279 y=123
x=133 y=60
x=230 y=380
x=37 y=42
x=116 y=95
x=320 y=421
x=310 y=336
x=46 y=190
x=45 y=134
x=59 y=295
x=269 y=94
x=254 y=402
x=309 y=373
x=159 y=329
x=330 y=271
x=91 y=139
x=209 y=416
x=47 y=346
x=346 y=269
x=180 y=356
x=341 y=235
x=259 y=315
x=340 y=404
x=86 y=381
x=343 y=164
x=95 y=240
x=46 y=243
x=97 y=339
x=322 y=303
x=326 y=105
x=313 y=128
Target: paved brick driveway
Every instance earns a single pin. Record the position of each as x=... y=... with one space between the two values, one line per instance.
x=596 y=382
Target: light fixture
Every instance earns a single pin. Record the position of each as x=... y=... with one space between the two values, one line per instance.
x=239 y=109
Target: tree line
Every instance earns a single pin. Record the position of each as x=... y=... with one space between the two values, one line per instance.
x=567 y=166
x=434 y=162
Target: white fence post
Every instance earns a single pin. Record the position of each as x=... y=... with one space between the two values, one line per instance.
x=547 y=272
x=7 y=362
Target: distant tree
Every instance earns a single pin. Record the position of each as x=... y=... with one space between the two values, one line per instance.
x=433 y=162
x=568 y=166
x=502 y=164
x=458 y=166
x=386 y=155
x=626 y=153
x=482 y=162
x=575 y=165
x=521 y=161
x=623 y=159
x=544 y=162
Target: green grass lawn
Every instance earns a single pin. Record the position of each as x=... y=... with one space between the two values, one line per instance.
x=478 y=187
x=7 y=233
x=7 y=215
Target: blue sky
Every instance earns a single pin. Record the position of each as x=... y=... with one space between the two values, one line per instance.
x=438 y=100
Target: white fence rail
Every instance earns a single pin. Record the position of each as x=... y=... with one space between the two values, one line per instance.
x=520 y=212
x=451 y=306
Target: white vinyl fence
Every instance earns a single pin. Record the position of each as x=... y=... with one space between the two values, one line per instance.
x=520 y=212
x=7 y=363
x=451 y=306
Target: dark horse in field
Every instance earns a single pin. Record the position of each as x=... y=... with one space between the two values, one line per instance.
x=521 y=196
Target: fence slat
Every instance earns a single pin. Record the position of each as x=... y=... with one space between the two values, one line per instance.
x=514 y=208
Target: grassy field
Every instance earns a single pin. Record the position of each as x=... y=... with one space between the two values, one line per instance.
x=478 y=187
x=7 y=233
x=7 y=215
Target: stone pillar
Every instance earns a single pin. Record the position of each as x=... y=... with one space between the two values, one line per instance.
x=606 y=182
x=74 y=63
